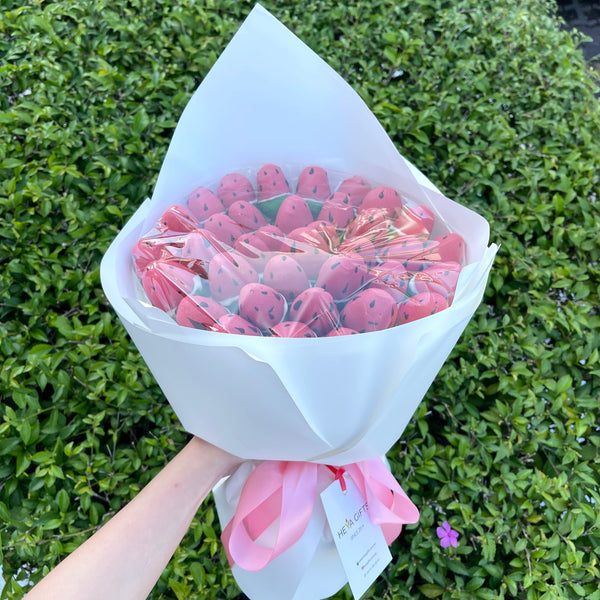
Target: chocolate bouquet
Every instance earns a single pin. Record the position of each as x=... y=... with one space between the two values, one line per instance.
x=294 y=285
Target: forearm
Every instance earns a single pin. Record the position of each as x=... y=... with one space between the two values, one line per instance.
x=125 y=558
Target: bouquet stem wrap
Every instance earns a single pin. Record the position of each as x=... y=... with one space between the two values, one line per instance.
x=283 y=494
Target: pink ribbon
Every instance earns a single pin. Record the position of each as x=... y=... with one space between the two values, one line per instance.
x=287 y=491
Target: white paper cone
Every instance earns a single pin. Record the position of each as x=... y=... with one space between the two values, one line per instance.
x=338 y=400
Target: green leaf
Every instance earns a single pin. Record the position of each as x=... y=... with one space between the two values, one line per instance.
x=474 y=583
x=270 y=207
x=431 y=590
x=140 y=121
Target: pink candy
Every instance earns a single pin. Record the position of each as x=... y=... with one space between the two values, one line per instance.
x=262 y=305
x=370 y=310
x=285 y=275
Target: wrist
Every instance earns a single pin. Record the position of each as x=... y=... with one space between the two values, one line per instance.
x=223 y=463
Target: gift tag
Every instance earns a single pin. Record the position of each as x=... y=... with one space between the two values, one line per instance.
x=360 y=544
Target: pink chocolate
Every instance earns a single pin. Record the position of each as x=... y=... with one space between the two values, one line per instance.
x=262 y=305
x=382 y=197
x=337 y=210
x=406 y=247
x=148 y=250
x=440 y=278
x=199 y=312
x=234 y=187
x=254 y=249
x=231 y=323
x=203 y=203
x=419 y=306
x=392 y=277
x=315 y=307
x=246 y=215
x=285 y=275
x=310 y=259
x=318 y=234
x=373 y=223
x=408 y=222
x=292 y=329
x=199 y=247
x=370 y=310
x=450 y=247
x=360 y=245
x=228 y=273
x=313 y=183
x=355 y=188
x=166 y=283
x=342 y=275
x=426 y=216
x=224 y=228
x=294 y=212
x=341 y=331
x=272 y=237
x=271 y=182
x=177 y=219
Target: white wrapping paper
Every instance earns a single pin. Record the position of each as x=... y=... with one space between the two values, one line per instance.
x=337 y=400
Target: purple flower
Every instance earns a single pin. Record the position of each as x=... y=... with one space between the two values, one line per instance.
x=447 y=535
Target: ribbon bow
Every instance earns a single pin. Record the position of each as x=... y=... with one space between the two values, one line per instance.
x=286 y=491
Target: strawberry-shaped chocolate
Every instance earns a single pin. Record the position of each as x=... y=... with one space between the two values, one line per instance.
x=271 y=236
x=355 y=188
x=271 y=182
x=203 y=203
x=262 y=305
x=311 y=259
x=337 y=210
x=228 y=273
x=341 y=331
x=177 y=219
x=419 y=306
x=254 y=249
x=234 y=187
x=246 y=215
x=312 y=245
x=360 y=245
x=294 y=212
x=449 y=247
x=313 y=183
x=167 y=283
x=418 y=264
x=406 y=247
x=315 y=307
x=285 y=275
x=392 y=277
x=342 y=275
x=292 y=329
x=199 y=312
x=318 y=234
x=382 y=197
x=231 y=323
x=370 y=310
x=224 y=228
x=374 y=223
x=440 y=278
x=426 y=216
x=150 y=249
x=408 y=222
x=198 y=249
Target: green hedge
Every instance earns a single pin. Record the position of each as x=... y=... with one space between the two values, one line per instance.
x=490 y=99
